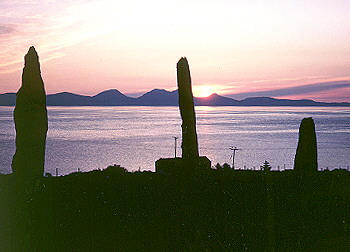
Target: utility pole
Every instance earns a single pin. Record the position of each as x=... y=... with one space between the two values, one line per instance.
x=175 y=138
x=234 y=149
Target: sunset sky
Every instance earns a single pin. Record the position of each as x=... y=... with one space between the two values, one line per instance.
x=237 y=48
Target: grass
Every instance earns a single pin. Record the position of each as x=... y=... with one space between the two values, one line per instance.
x=212 y=210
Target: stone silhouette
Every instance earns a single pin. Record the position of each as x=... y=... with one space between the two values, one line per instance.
x=30 y=117
x=186 y=105
x=190 y=161
x=306 y=155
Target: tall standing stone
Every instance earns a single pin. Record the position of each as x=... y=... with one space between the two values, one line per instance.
x=191 y=162
x=306 y=155
x=186 y=105
x=30 y=117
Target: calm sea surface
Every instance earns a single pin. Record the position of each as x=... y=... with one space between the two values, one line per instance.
x=89 y=138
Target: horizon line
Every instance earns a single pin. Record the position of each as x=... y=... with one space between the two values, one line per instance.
x=162 y=89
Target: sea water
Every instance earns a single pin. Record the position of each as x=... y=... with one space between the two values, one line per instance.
x=88 y=138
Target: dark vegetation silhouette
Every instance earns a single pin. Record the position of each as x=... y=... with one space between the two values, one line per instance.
x=235 y=210
x=214 y=209
x=224 y=167
x=266 y=166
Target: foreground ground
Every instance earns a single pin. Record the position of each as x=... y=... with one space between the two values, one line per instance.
x=213 y=210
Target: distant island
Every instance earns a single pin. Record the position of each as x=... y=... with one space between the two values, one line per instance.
x=161 y=97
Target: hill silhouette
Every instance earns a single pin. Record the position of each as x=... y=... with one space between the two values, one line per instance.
x=268 y=101
x=216 y=100
x=160 y=97
x=68 y=99
x=111 y=98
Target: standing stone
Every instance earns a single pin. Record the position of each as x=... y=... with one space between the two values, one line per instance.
x=190 y=162
x=189 y=134
x=30 y=117
x=306 y=155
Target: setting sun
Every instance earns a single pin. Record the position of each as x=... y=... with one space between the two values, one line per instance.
x=202 y=90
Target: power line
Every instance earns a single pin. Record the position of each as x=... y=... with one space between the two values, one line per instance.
x=234 y=149
x=175 y=138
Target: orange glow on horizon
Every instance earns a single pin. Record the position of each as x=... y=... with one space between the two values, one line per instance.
x=203 y=90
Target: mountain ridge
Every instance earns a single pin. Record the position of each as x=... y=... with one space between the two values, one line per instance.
x=161 y=97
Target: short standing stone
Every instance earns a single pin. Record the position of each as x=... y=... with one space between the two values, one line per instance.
x=306 y=155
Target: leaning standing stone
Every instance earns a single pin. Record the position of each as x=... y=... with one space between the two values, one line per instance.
x=186 y=105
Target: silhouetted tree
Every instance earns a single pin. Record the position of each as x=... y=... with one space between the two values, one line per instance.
x=266 y=166
x=224 y=167
x=217 y=166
